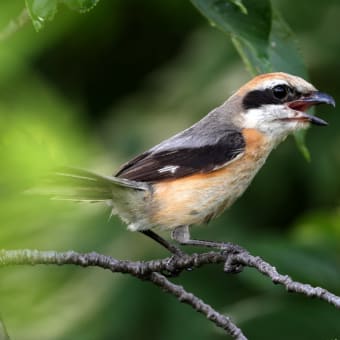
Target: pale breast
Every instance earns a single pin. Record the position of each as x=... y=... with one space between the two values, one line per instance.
x=198 y=198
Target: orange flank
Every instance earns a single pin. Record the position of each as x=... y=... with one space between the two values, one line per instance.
x=197 y=198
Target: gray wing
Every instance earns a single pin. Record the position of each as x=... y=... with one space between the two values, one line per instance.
x=199 y=149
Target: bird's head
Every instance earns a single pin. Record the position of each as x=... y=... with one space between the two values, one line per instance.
x=276 y=104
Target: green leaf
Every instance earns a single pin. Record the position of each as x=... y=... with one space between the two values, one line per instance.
x=250 y=31
x=81 y=6
x=285 y=55
x=284 y=50
x=300 y=139
x=261 y=36
x=41 y=11
x=240 y=5
x=250 y=56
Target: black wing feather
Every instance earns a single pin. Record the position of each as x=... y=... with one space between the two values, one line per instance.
x=183 y=161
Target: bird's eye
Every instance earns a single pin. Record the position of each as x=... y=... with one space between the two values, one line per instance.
x=280 y=91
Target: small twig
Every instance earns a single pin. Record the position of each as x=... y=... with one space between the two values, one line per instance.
x=266 y=269
x=14 y=25
x=3 y=332
x=201 y=307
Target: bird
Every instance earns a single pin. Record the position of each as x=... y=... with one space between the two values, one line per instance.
x=195 y=175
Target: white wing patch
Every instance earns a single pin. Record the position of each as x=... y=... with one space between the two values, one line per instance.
x=169 y=168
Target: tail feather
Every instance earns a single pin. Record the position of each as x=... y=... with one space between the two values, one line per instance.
x=82 y=185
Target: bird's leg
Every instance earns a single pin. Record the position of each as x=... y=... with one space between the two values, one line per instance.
x=172 y=248
x=181 y=234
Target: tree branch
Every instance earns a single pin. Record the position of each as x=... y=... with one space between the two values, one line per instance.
x=233 y=257
x=200 y=306
x=266 y=269
x=142 y=270
x=14 y=25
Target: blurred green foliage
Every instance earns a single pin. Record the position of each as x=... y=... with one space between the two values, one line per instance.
x=92 y=90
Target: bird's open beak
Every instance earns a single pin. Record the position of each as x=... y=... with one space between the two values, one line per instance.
x=305 y=102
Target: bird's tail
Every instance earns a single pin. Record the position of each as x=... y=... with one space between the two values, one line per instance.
x=81 y=185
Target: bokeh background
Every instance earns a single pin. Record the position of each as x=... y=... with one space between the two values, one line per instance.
x=92 y=91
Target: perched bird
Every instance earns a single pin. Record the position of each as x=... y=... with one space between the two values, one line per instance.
x=195 y=175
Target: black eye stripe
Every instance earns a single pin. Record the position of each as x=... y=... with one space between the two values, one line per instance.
x=257 y=98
